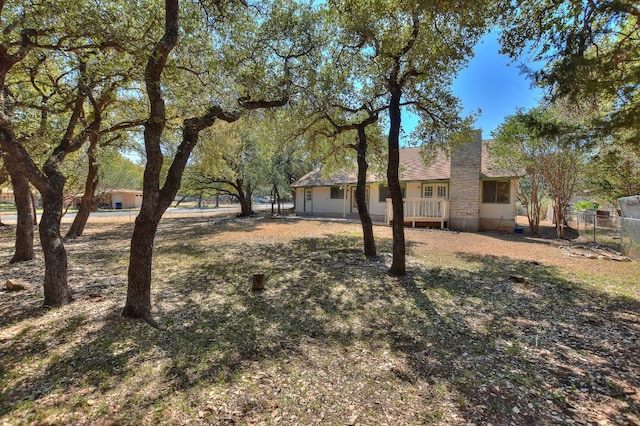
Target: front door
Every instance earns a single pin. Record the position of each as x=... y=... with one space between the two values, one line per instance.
x=354 y=204
x=308 y=200
x=433 y=191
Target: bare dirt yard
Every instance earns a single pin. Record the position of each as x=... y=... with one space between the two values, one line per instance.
x=486 y=328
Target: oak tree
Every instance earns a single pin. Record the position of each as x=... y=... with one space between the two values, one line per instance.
x=210 y=100
x=410 y=52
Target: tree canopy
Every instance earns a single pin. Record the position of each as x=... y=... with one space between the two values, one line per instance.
x=173 y=71
x=406 y=55
x=590 y=51
x=544 y=145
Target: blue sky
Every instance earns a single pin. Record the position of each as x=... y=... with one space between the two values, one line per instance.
x=492 y=84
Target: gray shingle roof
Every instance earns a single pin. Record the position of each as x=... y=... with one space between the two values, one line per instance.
x=412 y=168
x=316 y=178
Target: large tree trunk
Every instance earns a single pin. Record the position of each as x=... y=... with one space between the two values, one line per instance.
x=138 y=303
x=245 y=206
x=56 y=289
x=24 y=225
x=398 y=266
x=50 y=182
x=363 y=211
x=86 y=202
x=156 y=200
x=244 y=198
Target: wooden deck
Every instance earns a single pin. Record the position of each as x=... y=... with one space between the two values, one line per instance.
x=429 y=212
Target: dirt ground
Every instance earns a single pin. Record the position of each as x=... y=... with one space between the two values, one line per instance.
x=487 y=328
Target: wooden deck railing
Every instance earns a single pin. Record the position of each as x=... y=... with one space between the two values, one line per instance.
x=422 y=210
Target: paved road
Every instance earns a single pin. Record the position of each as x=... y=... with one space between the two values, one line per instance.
x=171 y=211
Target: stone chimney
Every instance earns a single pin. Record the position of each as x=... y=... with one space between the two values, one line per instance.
x=464 y=185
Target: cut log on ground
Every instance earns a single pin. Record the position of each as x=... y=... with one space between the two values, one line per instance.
x=258 y=282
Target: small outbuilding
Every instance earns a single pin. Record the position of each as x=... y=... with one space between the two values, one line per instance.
x=630 y=206
x=122 y=199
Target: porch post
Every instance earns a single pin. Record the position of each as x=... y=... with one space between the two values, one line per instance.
x=413 y=215
x=443 y=213
x=344 y=202
x=388 y=213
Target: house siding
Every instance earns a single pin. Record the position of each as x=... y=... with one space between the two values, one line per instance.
x=379 y=208
x=323 y=203
x=299 y=200
x=376 y=208
x=464 y=204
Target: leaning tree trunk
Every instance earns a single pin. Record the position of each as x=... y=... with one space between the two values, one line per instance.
x=86 y=202
x=363 y=211
x=24 y=205
x=56 y=288
x=398 y=266
x=155 y=202
x=33 y=208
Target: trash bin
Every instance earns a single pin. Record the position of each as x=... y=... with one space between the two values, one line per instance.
x=118 y=205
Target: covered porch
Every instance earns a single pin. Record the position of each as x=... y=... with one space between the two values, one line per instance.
x=422 y=212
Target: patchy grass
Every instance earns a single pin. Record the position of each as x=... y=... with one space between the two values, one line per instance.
x=332 y=339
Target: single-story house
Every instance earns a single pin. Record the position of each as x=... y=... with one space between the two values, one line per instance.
x=459 y=192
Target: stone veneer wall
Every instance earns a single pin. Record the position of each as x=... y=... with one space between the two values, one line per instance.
x=464 y=200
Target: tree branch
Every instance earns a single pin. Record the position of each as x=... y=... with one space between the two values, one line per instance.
x=246 y=103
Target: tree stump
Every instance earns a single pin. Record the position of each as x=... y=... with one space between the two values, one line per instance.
x=258 y=282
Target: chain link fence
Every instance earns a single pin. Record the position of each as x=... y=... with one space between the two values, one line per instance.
x=630 y=236
x=603 y=227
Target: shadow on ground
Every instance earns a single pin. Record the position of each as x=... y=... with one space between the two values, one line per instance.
x=540 y=350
